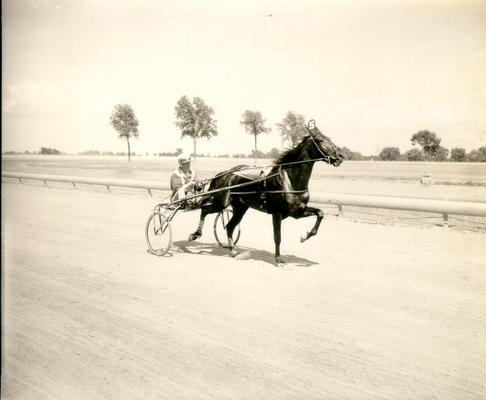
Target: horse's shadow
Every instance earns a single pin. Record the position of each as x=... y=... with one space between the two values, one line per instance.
x=245 y=253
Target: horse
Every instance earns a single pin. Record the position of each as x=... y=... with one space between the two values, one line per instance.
x=281 y=191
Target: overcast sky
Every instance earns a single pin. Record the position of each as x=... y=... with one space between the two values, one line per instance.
x=371 y=73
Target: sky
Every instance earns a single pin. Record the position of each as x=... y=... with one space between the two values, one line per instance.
x=371 y=73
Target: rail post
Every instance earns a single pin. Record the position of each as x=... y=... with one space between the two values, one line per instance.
x=108 y=188
x=149 y=191
x=445 y=220
x=74 y=185
x=340 y=210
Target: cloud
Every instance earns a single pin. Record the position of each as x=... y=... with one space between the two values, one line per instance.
x=45 y=4
x=36 y=98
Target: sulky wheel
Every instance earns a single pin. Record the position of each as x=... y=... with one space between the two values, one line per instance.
x=158 y=234
x=220 y=223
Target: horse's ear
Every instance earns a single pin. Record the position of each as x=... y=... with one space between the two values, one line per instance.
x=310 y=128
x=311 y=124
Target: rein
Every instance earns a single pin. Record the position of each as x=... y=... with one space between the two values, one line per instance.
x=325 y=158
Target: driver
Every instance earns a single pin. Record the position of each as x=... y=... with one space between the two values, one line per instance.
x=183 y=179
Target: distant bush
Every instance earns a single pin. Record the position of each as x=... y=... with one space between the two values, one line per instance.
x=48 y=150
x=353 y=155
x=458 y=154
x=390 y=154
x=415 y=155
x=478 y=155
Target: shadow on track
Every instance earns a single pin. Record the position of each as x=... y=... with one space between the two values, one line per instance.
x=245 y=253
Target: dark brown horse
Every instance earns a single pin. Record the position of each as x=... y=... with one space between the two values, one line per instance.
x=282 y=191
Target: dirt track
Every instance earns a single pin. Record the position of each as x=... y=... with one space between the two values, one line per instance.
x=359 y=312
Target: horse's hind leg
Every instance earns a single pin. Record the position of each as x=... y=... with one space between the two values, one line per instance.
x=197 y=234
x=309 y=211
x=277 y=225
x=239 y=210
x=206 y=209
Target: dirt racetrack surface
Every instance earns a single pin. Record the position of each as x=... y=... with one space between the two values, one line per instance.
x=359 y=312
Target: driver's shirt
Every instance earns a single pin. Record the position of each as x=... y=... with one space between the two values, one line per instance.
x=178 y=178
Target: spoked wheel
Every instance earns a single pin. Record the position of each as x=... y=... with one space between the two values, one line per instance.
x=158 y=234
x=220 y=223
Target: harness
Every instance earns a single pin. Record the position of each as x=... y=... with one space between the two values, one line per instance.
x=261 y=181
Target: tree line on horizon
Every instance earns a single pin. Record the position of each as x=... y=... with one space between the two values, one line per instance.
x=431 y=150
x=195 y=119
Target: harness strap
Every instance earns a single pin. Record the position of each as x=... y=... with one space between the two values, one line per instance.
x=274 y=192
x=262 y=185
x=220 y=174
x=227 y=188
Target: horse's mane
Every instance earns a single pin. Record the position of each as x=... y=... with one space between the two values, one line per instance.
x=290 y=154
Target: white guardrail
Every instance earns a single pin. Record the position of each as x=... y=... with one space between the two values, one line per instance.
x=443 y=207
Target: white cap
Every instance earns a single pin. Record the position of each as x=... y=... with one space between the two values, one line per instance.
x=184 y=158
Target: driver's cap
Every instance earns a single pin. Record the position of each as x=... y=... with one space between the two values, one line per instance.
x=184 y=158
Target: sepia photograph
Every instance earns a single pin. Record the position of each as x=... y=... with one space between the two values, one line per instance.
x=230 y=199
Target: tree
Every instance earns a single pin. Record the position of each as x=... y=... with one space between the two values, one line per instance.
x=125 y=123
x=352 y=155
x=347 y=153
x=257 y=154
x=273 y=153
x=390 y=154
x=195 y=119
x=458 y=154
x=254 y=125
x=482 y=151
x=415 y=155
x=292 y=128
x=478 y=155
x=48 y=150
x=441 y=154
x=429 y=141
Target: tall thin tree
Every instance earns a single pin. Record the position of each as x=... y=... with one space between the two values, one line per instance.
x=254 y=125
x=195 y=119
x=292 y=128
x=125 y=123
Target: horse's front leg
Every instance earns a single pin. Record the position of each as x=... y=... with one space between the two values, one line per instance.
x=277 y=224
x=309 y=211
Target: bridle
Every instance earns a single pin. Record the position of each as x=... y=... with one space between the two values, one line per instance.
x=325 y=157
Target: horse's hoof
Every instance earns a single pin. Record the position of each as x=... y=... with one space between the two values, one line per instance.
x=233 y=253
x=302 y=239
x=193 y=237
x=279 y=261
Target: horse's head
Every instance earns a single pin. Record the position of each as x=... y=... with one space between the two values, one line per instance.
x=323 y=147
